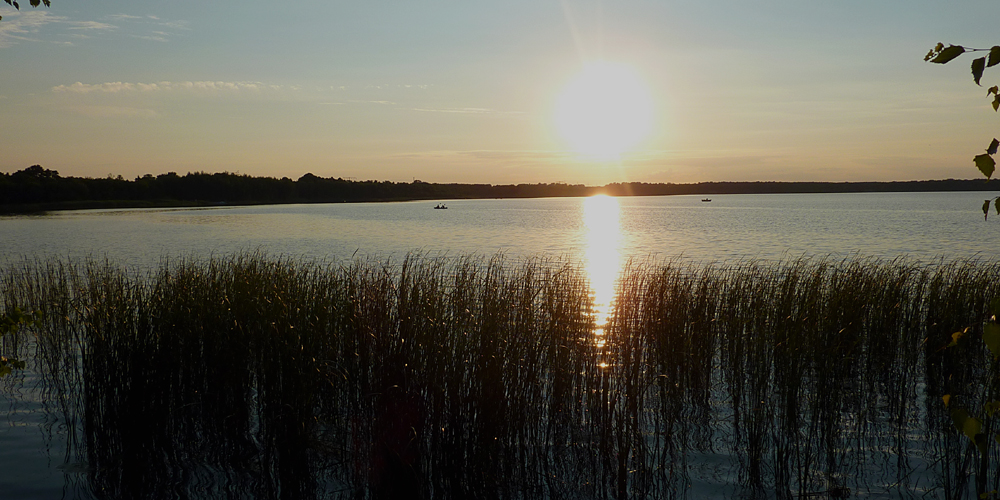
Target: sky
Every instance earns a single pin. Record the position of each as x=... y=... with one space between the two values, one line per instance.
x=471 y=91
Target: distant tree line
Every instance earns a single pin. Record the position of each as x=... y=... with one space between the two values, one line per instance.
x=36 y=188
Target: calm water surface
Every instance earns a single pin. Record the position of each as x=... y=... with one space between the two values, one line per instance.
x=887 y=225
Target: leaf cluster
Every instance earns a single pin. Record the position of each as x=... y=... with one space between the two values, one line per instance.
x=941 y=55
x=10 y=322
x=34 y=3
x=973 y=426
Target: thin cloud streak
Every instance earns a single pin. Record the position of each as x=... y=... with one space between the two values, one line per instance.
x=469 y=111
x=492 y=155
x=89 y=25
x=384 y=103
x=20 y=26
x=153 y=38
x=165 y=86
x=114 y=112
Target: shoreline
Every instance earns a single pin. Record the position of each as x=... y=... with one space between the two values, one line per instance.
x=355 y=192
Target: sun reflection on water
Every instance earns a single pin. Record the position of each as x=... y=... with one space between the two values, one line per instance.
x=603 y=255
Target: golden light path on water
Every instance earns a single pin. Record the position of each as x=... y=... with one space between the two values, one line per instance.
x=602 y=256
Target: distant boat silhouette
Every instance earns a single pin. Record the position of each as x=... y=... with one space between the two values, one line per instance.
x=441 y=206
x=706 y=199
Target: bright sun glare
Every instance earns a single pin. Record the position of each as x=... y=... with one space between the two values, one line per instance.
x=604 y=111
x=603 y=254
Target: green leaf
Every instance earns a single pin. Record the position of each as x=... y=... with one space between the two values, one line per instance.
x=971 y=428
x=996 y=102
x=991 y=336
x=991 y=407
x=986 y=164
x=967 y=424
x=949 y=53
x=978 y=65
x=986 y=212
x=996 y=203
x=992 y=90
x=993 y=147
x=956 y=336
x=947 y=399
x=994 y=56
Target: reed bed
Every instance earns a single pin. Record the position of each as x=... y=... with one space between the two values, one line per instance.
x=476 y=377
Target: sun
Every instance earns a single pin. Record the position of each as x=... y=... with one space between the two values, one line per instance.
x=604 y=111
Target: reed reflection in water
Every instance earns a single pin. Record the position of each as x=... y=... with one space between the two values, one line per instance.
x=256 y=377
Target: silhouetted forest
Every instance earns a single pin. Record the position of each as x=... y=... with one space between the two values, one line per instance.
x=37 y=189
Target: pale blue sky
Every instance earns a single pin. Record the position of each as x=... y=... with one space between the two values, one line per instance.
x=448 y=91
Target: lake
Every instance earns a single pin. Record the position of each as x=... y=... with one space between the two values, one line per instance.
x=601 y=234
x=887 y=225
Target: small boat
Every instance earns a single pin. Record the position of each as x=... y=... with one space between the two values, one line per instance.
x=441 y=206
x=706 y=199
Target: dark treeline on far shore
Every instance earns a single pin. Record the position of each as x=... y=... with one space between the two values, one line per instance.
x=38 y=189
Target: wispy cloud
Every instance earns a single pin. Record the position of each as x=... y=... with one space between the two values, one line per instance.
x=165 y=86
x=20 y=26
x=517 y=156
x=151 y=21
x=384 y=103
x=493 y=156
x=177 y=25
x=149 y=27
x=385 y=86
x=23 y=27
x=155 y=37
x=89 y=25
x=469 y=111
x=114 y=112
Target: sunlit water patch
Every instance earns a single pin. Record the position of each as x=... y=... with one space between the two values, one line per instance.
x=603 y=259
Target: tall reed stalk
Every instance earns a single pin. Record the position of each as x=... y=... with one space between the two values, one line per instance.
x=476 y=377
